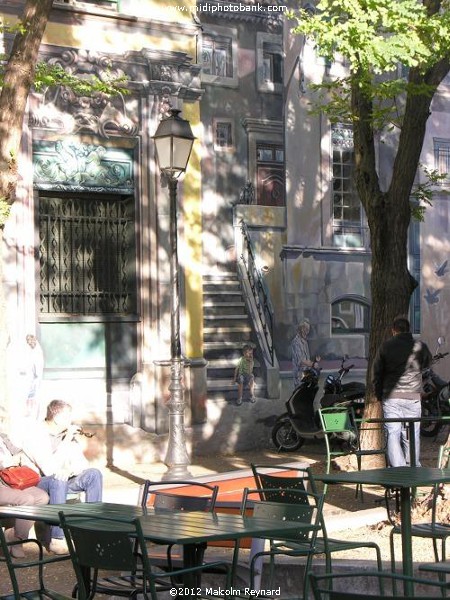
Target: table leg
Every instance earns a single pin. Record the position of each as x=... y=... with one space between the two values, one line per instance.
x=405 y=507
x=412 y=443
x=192 y=557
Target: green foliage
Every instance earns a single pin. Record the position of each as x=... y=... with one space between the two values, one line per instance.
x=422 y=195
x=374 y=38
x=18 y=27
x=5 y=209
x=377 y=35
x=48 y=75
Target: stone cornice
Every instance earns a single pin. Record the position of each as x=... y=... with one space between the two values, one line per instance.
x=67 y=14
x=262 y=125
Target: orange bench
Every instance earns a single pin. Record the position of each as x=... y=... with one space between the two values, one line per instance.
x=231 y=485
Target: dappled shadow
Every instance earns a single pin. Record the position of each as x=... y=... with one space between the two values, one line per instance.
x=126 y=474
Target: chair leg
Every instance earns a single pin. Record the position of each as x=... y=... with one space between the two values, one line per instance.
x=392 y=549
x=359 y=487
x=435 y=550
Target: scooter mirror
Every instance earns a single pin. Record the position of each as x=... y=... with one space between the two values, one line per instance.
x=441 y=340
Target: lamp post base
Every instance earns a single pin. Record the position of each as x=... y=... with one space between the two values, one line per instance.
x=177 y=458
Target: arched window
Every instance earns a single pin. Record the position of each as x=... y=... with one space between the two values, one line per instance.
x=350 y=314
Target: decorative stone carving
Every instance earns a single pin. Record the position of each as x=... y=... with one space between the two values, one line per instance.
x=71 y=165
x=162 y=74
x=62 y=109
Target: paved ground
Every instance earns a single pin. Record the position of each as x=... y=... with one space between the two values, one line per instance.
x=344 y=514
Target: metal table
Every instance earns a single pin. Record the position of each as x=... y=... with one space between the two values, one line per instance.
x=409 y=422
x=190 y=529
x=403 y=478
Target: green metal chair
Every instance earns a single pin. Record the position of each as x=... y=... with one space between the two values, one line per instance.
x=37 y=564
x=108 y=545
x=161 y=495
x=433 y=530
x=278 y=488
x=307 y=509
x=340 y=426
x=356 y=585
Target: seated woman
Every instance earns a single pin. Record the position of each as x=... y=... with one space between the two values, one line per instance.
x=10 y=455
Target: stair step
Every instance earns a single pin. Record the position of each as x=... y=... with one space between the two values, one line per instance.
x=226 y=329
x=211 y=304
x=216 y=317
x=221 y=295
x=221 y=276
x=225 y=345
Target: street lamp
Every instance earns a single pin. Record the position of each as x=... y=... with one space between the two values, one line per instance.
x=173 y=141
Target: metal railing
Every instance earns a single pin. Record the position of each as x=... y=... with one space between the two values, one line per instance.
x=254 y=276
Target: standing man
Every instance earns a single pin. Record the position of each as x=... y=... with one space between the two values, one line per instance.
x=301 y=358
x=59 y=458
x=397 y=380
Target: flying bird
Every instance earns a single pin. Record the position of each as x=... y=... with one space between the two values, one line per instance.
x=442 y=269
x=432 y=296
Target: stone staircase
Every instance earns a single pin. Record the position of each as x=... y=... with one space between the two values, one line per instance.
x=226 y=328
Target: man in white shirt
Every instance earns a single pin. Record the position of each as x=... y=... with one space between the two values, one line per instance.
x=59 y=458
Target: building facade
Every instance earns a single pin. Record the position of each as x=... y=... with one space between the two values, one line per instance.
x=86 y=248
x=325 y=262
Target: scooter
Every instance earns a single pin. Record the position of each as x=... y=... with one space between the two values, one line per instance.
x=301 y=422
x=435 y=396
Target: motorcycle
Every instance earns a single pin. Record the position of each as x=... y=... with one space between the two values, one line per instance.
x=301 y=422
x=435 y=396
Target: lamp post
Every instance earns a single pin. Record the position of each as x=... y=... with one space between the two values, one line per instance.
x=173 y=142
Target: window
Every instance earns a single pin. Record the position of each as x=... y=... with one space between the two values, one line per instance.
x=270 y=175
x=442 y=156
x=346 y=207
x=223 y=135
x=272 y=63
x=217 y=56
x=350 y=315
x=87 y=254
x=269 y=63
x=414 y=267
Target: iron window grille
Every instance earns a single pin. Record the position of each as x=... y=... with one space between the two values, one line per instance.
x=87 y=255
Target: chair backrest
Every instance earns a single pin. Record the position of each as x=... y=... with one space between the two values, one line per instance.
x=353 y=585
x=278 y=486
x=308 y=510
x=179 y=495
x=340 y=421
x=337 y=419
x=103 y=543
x=96 y=547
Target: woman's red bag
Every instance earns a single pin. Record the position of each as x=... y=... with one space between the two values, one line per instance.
x=20 y=477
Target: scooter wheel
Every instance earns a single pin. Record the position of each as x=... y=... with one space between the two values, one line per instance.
x=285 y=438
x=429 y=428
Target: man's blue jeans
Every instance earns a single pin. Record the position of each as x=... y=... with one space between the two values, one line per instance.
x=396 y=433
x=89 y=481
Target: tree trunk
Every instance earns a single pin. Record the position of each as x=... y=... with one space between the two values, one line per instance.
x=18 y=79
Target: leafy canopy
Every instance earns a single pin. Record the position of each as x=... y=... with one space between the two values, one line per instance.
x=375 y=37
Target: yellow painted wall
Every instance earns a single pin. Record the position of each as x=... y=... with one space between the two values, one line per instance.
x=192 y=261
